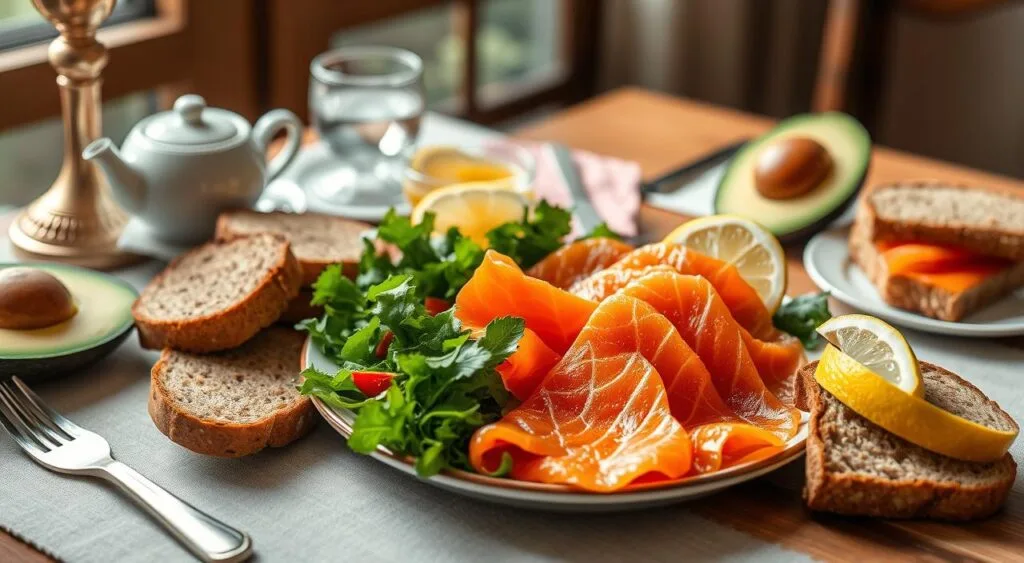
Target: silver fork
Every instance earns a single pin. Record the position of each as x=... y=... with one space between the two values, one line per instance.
x=63 y=446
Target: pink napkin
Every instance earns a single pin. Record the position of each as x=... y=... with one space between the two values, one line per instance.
x=613 y=185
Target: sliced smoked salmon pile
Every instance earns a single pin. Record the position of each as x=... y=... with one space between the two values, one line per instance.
x=578 y=260
x=776 y=355
x=609 y=413
x=704 y=321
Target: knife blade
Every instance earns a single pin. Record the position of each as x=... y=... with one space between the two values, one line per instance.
x=583 y=208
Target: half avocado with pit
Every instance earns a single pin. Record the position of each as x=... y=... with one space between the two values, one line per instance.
x=56 y=318
x=798 y=177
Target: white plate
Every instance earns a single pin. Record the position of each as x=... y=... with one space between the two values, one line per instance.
x=827 y=260
x=559 y=497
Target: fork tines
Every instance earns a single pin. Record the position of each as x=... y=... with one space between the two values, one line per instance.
x=33 y=424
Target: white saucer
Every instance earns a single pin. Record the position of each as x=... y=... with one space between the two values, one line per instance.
x=317 y=171
x=827 y=260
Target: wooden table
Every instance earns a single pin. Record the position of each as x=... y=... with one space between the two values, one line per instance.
x=662 y=133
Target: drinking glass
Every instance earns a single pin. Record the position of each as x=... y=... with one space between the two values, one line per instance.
x=366 y=103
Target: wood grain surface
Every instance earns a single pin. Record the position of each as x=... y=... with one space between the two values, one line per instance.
x=662 y=133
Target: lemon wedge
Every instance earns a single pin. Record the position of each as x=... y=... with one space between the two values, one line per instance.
x=907 y=416
x=474 y=208
x=748 y=246
x=877 y=346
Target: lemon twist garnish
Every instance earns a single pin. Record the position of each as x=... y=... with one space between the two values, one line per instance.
x=911 y=418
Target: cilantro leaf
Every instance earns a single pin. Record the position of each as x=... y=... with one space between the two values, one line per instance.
x=530 y=240
x=802 y=315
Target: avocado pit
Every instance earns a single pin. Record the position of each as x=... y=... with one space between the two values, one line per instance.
x=31 y=299
x=791 y=167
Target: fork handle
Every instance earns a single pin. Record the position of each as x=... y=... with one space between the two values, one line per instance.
x=206 y=537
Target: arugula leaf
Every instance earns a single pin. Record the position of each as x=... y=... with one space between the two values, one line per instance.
x=602 y=231
x=802 y=315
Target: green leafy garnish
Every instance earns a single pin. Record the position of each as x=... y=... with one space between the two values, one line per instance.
x=446 y=385
x=602 y=231
x=802 y=315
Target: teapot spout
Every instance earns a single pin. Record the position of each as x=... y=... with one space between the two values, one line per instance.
x=128 y=187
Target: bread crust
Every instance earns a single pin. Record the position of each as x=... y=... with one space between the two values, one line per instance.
x=985 y=241
x=231 y=327
x=864 y=495
x=929 y=300
x=219 y=438
x=311 y=266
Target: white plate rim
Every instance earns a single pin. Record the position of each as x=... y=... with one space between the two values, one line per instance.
x=811 y=260
x=559 y=496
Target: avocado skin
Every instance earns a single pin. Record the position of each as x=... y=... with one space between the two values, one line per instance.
x=804 y=233
x=40 y=369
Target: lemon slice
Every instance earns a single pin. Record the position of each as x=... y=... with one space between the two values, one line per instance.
x=754 y=251
x=878 y=347
x=474 y=208
x=907 y=416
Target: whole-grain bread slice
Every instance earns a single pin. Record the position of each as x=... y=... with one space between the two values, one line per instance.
x=855 y=467
x=218 y=295
x=985 y=220
x=233 y=403
x=917 y=295
x=317 y=240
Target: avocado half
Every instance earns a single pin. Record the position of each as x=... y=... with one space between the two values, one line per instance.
x=103 y=321
x=795 y=219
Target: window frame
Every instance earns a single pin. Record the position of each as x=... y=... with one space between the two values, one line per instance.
x=181 y=47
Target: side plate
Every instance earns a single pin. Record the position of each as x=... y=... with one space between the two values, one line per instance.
x=827 y=260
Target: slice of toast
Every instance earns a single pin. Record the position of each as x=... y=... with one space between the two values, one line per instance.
x=855 y=467
x=218 y=295
x=986 y=220
x=233 y=403
x=929 y=300
x=317 y=240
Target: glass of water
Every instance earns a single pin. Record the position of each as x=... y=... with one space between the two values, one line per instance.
x=366 y=103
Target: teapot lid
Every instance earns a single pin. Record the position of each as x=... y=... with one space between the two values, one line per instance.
x=191 y=125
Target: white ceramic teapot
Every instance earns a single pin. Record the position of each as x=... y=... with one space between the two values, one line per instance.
x=177 y=170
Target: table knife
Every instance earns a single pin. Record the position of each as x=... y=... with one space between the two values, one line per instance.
x=583 y=208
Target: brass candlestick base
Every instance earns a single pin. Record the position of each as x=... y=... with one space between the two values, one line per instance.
x=76 y=220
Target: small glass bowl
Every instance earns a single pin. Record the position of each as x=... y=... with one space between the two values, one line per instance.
x=416 y=184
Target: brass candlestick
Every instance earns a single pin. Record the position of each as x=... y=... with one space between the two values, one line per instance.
x=76 y=220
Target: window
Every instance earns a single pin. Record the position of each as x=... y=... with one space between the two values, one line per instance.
x=21 y=24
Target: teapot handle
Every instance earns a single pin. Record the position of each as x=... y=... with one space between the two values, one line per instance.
x=268 y=126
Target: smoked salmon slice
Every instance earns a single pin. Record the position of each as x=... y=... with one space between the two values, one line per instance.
x=704 y=321
x=578 y=260
x=725 y=444
x=526 y=367
x=613 y=411
x=499 y=288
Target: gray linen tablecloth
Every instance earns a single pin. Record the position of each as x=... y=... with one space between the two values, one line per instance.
x=316 y=501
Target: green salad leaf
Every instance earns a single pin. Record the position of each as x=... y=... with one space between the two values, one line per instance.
x=802 y=315
x=445 y=384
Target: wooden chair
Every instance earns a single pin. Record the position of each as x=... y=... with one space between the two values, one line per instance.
x=855 y=43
